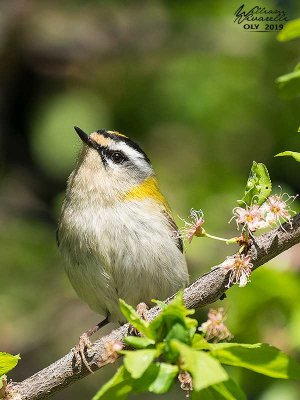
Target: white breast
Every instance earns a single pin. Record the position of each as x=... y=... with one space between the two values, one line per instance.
x=126 y=251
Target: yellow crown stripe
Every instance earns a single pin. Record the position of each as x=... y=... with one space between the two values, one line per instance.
x=118 y=134
x=147 y=189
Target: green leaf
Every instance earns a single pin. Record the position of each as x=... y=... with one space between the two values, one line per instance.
x=199 y=343
x=204 y=369
x=136 y=362
x=134 y=319
x=179 y=332
x=230 y=390
x=258 y=187
x=138 y=342
x=145 y=381
x=289 y=84
x=118 y=387
x=293 y=154
x=174 y=313
x=227 y=390
x=8 y=362
x=290 y=31
x=261 y=358
x=158 y=378
x=165 y=378
x=160 y=304
x=1 y=382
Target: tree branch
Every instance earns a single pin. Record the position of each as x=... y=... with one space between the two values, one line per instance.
x=205 y=290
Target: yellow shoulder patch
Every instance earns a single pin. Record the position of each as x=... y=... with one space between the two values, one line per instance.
x=147 y=189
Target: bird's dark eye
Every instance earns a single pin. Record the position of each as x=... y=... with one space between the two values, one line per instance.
x=117 y=157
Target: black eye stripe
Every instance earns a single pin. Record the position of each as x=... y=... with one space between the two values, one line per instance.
x=116 y=156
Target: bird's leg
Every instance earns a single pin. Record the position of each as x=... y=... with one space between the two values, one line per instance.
x=85 y=343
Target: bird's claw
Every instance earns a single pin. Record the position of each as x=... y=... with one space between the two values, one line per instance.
x=80 y=349
x=141 y=310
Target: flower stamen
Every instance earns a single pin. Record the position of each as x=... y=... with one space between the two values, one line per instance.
x=193 y=228
x=214 y=328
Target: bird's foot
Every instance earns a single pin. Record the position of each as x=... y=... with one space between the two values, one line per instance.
x=141 y=310
x=85 y=344
x=79 y=350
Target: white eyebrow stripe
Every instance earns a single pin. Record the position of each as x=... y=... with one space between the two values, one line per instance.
x=127 y=150
x=135 y=156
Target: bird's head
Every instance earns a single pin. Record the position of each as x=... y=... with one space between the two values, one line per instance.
x=111 y=166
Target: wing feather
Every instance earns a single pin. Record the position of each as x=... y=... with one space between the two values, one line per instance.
x=175 y=230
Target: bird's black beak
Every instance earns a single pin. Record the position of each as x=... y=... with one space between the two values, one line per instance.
x=86 y=138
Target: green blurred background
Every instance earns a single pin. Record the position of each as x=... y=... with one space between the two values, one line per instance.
x=198 y=93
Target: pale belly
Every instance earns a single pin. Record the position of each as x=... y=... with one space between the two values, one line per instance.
x=128 y=256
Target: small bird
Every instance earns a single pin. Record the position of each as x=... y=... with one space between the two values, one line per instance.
x=116 y=231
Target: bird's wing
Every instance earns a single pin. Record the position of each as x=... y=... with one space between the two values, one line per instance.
x=175 y=230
